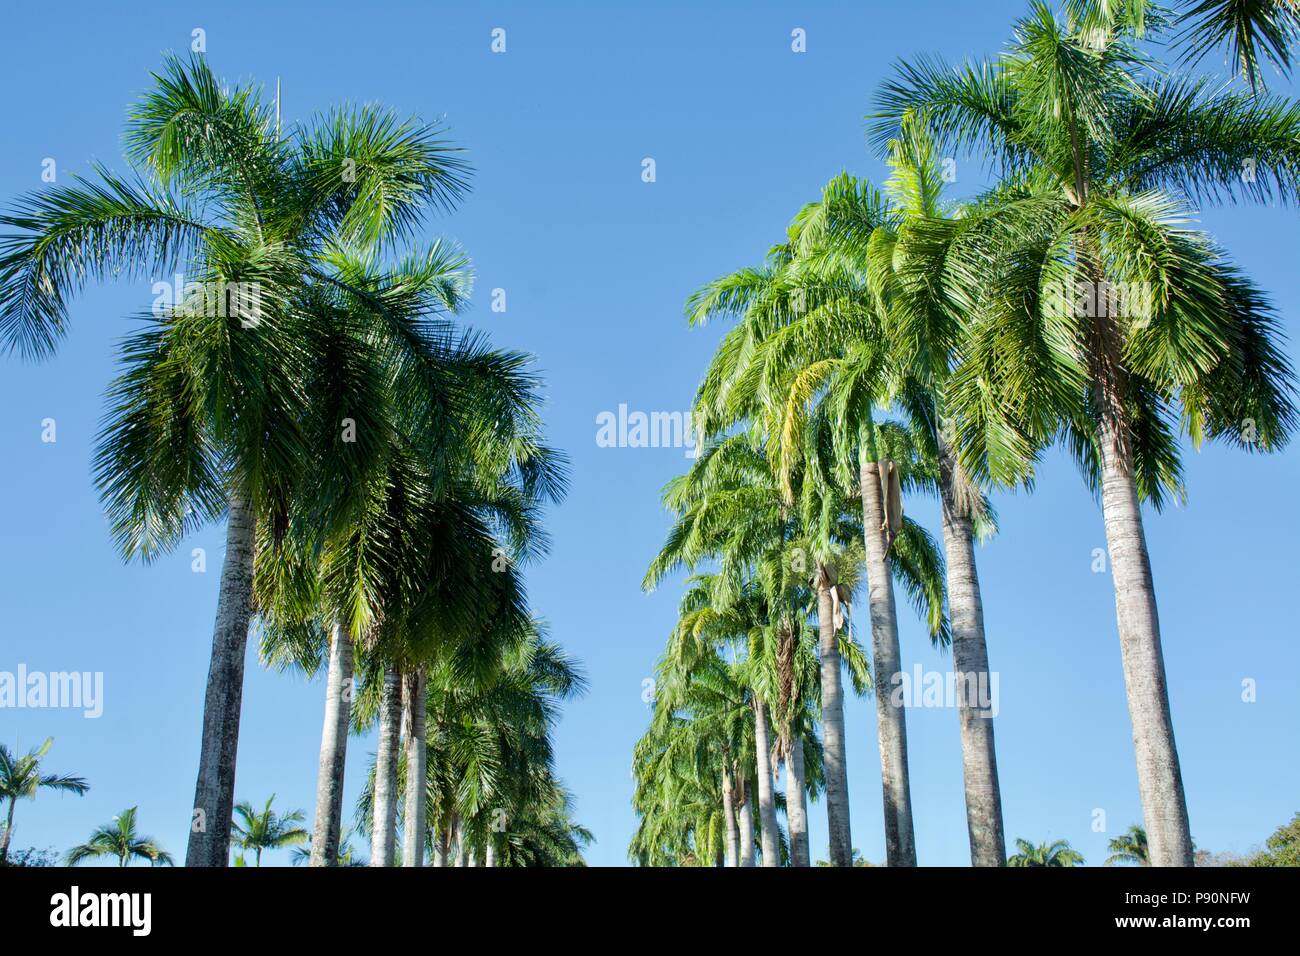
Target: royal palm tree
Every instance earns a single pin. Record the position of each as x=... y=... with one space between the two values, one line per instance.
x=692 y=766
x=806 y=367
x=880 y=253
x=21 y=777
x=489 y=762
x=266 y=830
x=1099 y=154
x=119 y=839
x=1058 y=854
x=730 y=509
x=345 y=855
x=206 y=419
x=1250 y=32
x=1129 y=847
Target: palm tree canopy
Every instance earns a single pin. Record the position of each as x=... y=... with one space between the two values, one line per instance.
x=21 y=777
x=119 y=839
x=266 y=830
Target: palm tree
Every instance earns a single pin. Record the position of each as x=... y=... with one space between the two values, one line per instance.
x=1248 y=30
x=207 y=417
x=882 y=251
x=1058 y=854
x=1098 y=154
x=692 y=766
x=1129 y=847
x=120 y=839
x=22 y=777
x=806 y=368
x=489 y=760
x=266 y=830
x=345 y=855
x=730 y=508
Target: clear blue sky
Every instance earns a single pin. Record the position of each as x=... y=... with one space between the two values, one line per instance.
x=596 y=265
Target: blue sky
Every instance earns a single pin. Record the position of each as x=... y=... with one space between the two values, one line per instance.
x=596 y=265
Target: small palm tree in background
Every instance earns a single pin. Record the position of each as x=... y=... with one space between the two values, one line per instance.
x=1058 y=854
x=345 y=854
x=1129 y=847
x=267 y=830
x=22 y=777
x=121 y=840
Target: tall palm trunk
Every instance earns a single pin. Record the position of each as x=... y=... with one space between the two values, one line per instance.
x=796 y=803
x=836 y=768
x=214 y=790
x=746 y=825
x=462 y=848
x=971 y=662
x=383 y=838
x=729 y=819
x=1160 y=780
x=9 y=829
x=490 y=850
x=766 y=802
x=333 y=751
x=416 y=768
x=891 y=724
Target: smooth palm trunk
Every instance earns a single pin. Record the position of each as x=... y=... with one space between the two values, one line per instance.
x=796 y=804
x=416 y=761
x=891 y=723
x=729 y=820
x=333 y=751
x=746 y=827
x=490 y=851
x=1160 y=781
x=383 y=837
x=766 y=801
x=462 y=848
x=833 y=753
x=214 y=790
x=9 y=829
x=971 y=662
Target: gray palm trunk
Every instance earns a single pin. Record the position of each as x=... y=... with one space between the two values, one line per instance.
x=1160 y=781
x=490 y=850
x=383 y=834
x=462 y=848
x=766 y=801
x=796 y=804
x=333 y=750
x=971 y=663
x=9 y=829
x=891 y=723
x=836 y=767
x=746 y=812
x=416 y=763
x=214 y=790
x=732 y=855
